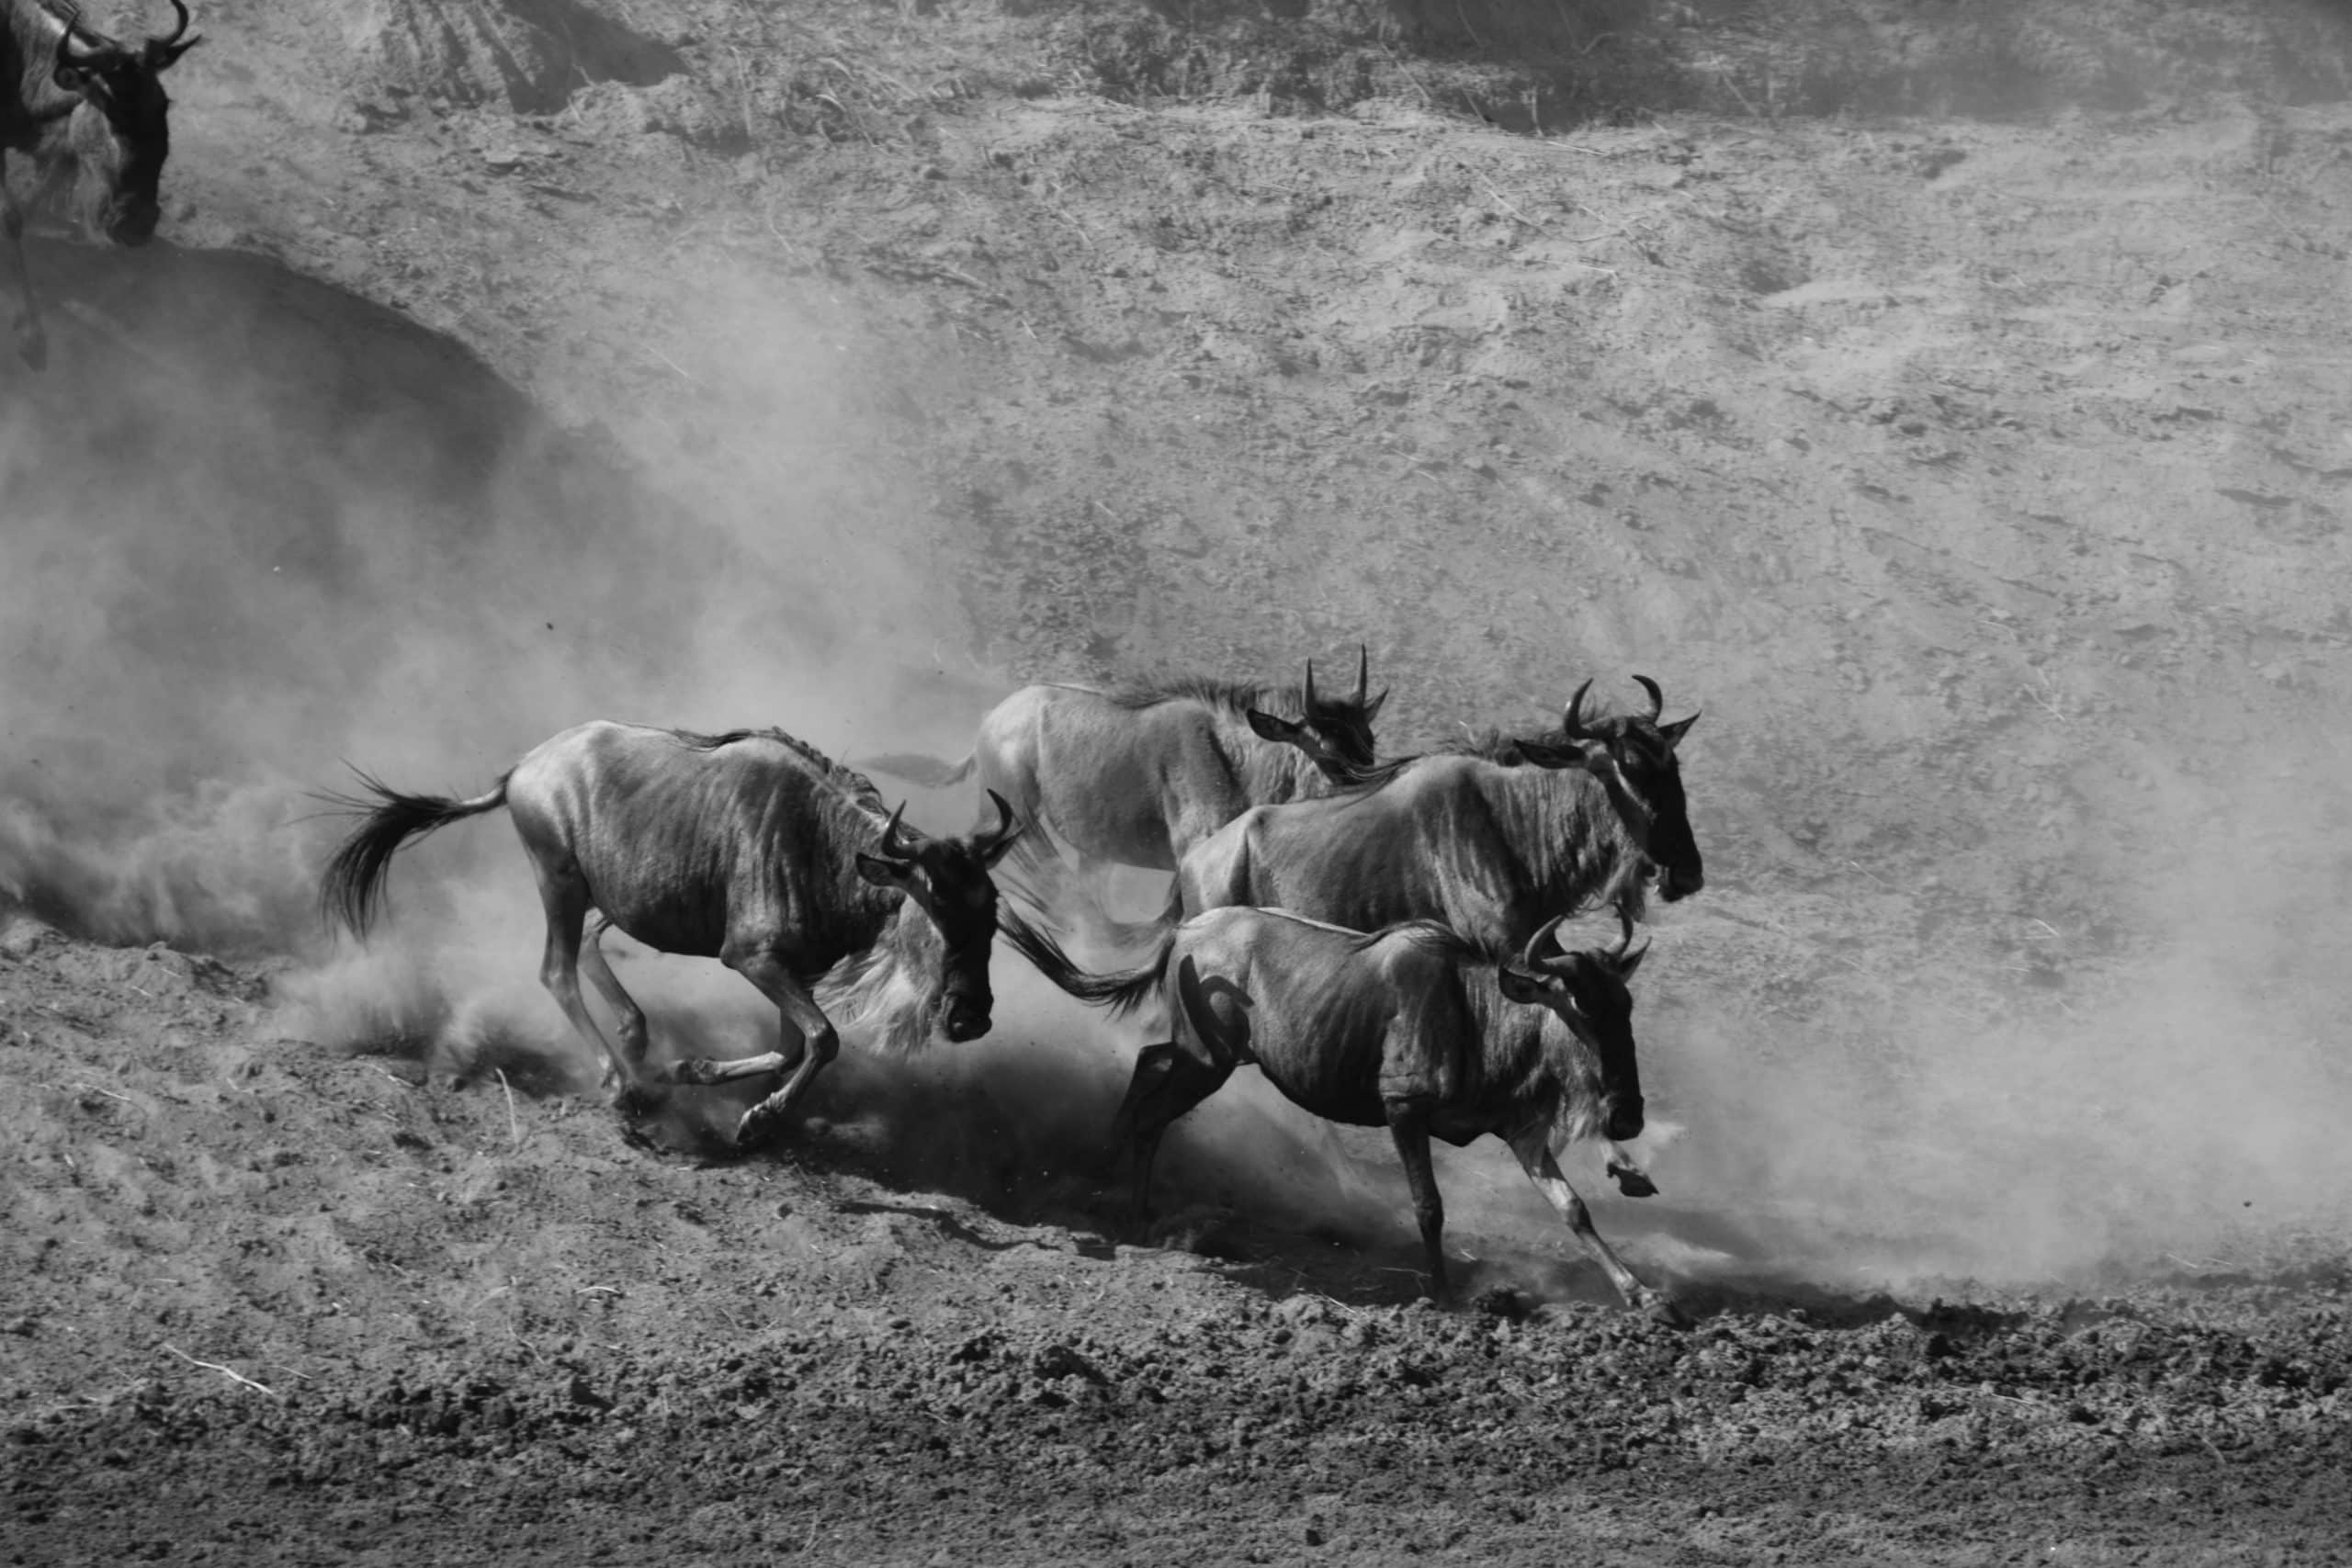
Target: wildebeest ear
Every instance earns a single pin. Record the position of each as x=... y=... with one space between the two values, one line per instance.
x=1674 y=732
x=1632 y=961
x=884 y=872
x=1270 y=727
x=1591 y=756
x=1525 y=985
x=71 y=78
x=162 y=56
x=1371 y=708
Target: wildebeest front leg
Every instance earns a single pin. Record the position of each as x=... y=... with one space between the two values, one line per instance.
x=1169 y=1082
x=32 y=341
x=1408 y=1124
x=1533 y=1149
x=820 y=1043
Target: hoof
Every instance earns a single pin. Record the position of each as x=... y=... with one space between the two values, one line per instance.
x=1633 y=1182
x=758 y=1128
x=639 y=1099
x=694 y=1070
x=1660 y=1310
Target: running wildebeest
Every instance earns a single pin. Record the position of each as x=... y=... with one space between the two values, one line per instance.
x=1489 y=845
x=1410 y=1027
x=1138 y=774
x=78 y=103
x=751 y=848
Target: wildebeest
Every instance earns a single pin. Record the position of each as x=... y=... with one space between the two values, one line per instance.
x=1410 y=1027
x=751 y=848
x=1489 y=845
x=80 y=104
x=1139 y=774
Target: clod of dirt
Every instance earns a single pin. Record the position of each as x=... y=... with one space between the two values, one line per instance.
x=1502 y=1302
x=21 y=935
x=678 y=106
x=528 y=54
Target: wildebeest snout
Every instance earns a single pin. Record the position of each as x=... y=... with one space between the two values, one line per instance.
x=966 y=1019
x=1624 y=1119
x=131 y=222
x=1679 y=882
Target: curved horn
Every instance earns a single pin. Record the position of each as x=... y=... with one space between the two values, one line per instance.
x=68 y=49
x=894 y=846
x=1572 y=716
x=181 y=31
x=1528 y=957
x=1658 y=698
x=1627 y=939
x=1363 y=673
x=1307 y=697
x=1005 y=827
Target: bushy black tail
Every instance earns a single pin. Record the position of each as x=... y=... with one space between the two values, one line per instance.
x=1122 y=992
x=352 y=891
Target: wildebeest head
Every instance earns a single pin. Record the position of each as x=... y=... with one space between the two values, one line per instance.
x=1632 y=756
x=1335 y=731
x=117 y=136
x=1587 y=992
x=948 y=878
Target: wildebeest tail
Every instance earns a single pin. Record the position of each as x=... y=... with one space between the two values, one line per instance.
x=927 y=773
x=1122 y=991
x=352 y=890
x=1131 y=935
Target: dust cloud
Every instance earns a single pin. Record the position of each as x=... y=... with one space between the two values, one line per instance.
x=2032 y=1108
x=258 y=527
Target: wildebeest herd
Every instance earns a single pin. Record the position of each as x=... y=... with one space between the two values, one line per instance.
x=1375 y=935
x=1380 y=937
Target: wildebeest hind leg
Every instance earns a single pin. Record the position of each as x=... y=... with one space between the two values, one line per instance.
x=1167 y=1084
x=608 y=986
x=1408 y=1124
x=820 y=1043
x=563 y=892
x=1533 y=1149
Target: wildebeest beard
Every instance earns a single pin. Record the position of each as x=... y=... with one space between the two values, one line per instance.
x=926 y=978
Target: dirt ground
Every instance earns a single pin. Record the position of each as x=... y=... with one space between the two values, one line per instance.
x=268 y=1304
x=1950 y=406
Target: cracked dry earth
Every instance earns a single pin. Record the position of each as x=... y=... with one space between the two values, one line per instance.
x=266 y=1303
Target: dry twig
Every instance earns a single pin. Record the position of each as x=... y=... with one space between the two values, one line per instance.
x=513 y=1127
x=233 y=1376
x=1504 y=202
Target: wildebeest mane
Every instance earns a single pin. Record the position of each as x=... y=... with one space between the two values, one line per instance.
x=847 y=779
x=1489 y=745
x=1550 y=749
x=1235 y=697
x=1436 y=936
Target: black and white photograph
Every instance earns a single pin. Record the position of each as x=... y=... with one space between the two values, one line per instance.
x=936 y=784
